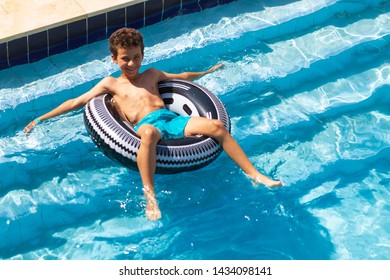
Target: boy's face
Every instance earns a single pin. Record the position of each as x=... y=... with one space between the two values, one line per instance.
x=129 y=60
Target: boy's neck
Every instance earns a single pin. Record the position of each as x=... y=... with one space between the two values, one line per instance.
x=131 y=78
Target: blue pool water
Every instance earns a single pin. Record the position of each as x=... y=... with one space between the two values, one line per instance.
x=306 y=84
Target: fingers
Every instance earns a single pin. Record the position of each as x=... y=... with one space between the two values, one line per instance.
x=219 y=65
x=215 y=67
x=30 y=126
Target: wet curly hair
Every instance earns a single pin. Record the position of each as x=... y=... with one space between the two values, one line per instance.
x=126 y=38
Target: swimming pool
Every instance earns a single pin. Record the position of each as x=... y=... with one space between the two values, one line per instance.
x=305 y=83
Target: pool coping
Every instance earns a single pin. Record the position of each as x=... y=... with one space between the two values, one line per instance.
x=88 y=24
x=48 y=14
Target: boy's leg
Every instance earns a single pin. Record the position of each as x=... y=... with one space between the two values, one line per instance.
x=146 y=161
x=215 y=129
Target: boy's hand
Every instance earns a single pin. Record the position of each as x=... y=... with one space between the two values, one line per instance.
x=215 y=67
x=30 y=126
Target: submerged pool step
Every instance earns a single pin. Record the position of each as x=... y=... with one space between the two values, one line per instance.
x=276 y=23
x=291 y=56
x=357 y=210
x=352 y=139
x=362 y=56
x=72 y=196
x=315 y=104
x=324 y=12
x=260 y=23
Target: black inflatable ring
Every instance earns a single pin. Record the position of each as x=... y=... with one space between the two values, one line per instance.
x=117 y=139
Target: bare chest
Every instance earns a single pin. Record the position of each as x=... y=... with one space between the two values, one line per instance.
x=135 y=101
x=135 y=95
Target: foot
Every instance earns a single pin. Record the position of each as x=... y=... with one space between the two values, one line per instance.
x=153 y=213
x=152 y=210
x=264 y=180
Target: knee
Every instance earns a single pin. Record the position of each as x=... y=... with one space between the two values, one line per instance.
x=149 y=135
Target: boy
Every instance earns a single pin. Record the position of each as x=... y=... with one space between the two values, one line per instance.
x=137 y=96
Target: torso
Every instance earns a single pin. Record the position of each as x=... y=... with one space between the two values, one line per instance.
x=136 y=98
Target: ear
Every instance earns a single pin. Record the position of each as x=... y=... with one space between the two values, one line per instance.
x=114 y=58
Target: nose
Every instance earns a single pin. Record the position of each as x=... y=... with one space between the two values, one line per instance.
x=130 y=63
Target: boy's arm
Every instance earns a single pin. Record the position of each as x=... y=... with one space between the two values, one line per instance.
x=70 y=105
x=188 y=75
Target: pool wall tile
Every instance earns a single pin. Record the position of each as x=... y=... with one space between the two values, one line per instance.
x=222 y=2
x=153 y=11
x=3 y=56
x=205 y=4
x=38 y=46
x=77 y=34
x=115 y=19
x=42 y=44
x=135 y=16
x=17 y=51
x=58 y=40
x=190 y=6
x=171 y=9
x=97 y=28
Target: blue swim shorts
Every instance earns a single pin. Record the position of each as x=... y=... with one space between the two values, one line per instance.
x=170 y=124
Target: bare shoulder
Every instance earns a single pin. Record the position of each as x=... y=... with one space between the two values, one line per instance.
x=108 y=84
x=152 y=75
x=152 y=72
x=108 y=81
x=156 y=74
